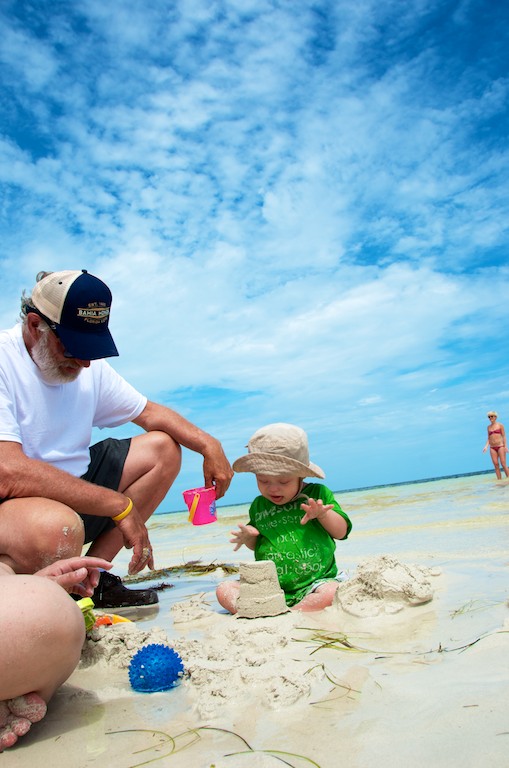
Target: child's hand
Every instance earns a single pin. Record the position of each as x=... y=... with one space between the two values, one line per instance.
x=79 y=575
x=247 y=534
x=314 y=509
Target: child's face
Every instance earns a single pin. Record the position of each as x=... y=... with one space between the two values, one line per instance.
x=279 y=489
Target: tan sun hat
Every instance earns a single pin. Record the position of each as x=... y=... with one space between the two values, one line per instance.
x=278 y=449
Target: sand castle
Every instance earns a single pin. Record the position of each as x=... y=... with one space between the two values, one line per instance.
x=260 y=593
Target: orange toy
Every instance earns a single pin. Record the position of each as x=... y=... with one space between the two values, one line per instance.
x=107 y=619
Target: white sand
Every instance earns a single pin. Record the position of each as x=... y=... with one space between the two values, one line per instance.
x=408 y=668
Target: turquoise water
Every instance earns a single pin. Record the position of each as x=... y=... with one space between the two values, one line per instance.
x=384 y=518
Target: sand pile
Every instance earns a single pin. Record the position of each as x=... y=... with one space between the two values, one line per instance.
x=384 y=585
x=116 y=645
x=230 y=657
x=193 y=609
x=246 y=656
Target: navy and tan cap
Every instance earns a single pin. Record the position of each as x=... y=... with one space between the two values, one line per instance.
x=79 y=305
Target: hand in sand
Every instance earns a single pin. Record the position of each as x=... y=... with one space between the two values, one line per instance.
x=17 y=716
x=247 y=534
x=314 y=509
x=79 y=575
x=135 y=535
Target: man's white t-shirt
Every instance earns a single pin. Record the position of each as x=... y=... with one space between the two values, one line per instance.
x=53 y=422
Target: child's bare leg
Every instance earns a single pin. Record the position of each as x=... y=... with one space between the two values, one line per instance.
x=319 y=599
x=227 y=593
x=40 y=646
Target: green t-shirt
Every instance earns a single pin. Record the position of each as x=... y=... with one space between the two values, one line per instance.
x=302 y=553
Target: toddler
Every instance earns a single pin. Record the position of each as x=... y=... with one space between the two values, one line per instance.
x=301 y=546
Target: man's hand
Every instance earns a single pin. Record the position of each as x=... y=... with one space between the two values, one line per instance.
x=79 y=575
x=217 y=470
x=135 y=535
x=247 y=534
x=216 y=467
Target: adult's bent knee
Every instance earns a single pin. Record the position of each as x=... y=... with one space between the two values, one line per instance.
x=47 y=531
x=165 y=445
x=62 y=526
x=155 y=451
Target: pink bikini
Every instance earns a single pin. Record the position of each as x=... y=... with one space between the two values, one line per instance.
x=495 y=432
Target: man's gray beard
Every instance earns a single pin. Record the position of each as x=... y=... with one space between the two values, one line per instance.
x=49 y=368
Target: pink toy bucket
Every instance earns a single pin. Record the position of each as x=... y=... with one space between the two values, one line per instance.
x=201 y=503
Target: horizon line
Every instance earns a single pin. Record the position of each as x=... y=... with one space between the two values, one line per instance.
x=361 y=488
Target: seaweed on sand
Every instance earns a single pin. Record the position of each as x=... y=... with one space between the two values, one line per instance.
x=346 y=689
x=338 y=641
x=334 y=640
x=191 y=568
x=192 y=736
x=473 y=606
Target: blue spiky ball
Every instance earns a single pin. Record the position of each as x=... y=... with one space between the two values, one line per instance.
x=155 y=667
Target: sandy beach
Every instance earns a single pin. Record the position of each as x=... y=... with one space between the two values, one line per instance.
x=408 y=667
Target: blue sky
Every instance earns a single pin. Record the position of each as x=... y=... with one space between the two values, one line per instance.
x=301 y=209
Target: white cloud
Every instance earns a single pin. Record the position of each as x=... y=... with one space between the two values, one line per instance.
x=301 y=211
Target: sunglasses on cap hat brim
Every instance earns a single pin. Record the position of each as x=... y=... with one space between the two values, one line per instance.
x=51 y=325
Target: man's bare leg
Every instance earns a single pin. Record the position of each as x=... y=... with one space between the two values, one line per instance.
x=36 y=532
x=152 y=464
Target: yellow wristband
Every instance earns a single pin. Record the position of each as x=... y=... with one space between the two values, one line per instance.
x=123 y=514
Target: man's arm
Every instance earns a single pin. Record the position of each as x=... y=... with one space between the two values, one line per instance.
x=22 y=477
x=216 y=467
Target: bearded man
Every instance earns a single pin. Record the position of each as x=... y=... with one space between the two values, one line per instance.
x=57 y=492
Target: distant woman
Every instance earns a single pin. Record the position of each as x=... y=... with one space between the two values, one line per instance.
x=497 y=444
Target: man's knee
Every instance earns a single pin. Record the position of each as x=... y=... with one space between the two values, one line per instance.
x=157 y=450
x=152 y=464
x=164 y=445
x=57 y=533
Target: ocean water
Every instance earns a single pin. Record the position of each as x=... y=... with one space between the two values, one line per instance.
x=459 y=525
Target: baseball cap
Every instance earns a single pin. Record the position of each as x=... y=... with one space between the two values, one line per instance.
x=78 y=304
x=278 y=449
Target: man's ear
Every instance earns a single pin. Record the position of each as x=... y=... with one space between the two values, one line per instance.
x=32 y=324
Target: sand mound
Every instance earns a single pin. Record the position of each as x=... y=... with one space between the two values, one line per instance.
x=244 y=657
x=384 y=585
x=230 y=657
x=116 y=645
